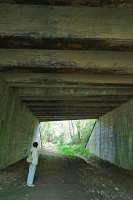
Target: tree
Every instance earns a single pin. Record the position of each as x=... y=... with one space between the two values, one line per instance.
x=73 y=131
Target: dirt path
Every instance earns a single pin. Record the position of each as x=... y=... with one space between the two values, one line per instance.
x=61 y=178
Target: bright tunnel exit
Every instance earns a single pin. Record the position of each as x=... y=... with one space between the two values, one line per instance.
x=67 y=137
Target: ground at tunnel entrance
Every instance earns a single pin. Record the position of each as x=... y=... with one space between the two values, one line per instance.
x=63 y=178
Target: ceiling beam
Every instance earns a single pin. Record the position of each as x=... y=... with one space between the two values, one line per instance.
x=71 y=104
x=96 y=98
x=50 y=27
x=93 y=3
x=67 y=85
x=12 y=60
x=66 y=78
x=71 y=110
x=72 y=92
x=44 y=119
x=67 y=114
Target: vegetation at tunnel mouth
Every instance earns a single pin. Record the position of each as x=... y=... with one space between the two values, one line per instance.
x=73 y=150
x=69 y=138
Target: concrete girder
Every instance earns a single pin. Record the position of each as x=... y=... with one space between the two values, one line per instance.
x=115 y=3
x=54 y=27
x=44 y=61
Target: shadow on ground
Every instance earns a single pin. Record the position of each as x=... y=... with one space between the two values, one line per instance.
x=65 y=178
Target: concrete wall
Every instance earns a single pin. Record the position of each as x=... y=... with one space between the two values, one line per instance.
x=112 y=138
x=17 y=125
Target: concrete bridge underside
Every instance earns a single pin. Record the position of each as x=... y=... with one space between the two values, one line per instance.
x=62 y=60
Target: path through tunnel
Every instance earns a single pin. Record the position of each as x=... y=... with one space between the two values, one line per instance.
x=59 y=177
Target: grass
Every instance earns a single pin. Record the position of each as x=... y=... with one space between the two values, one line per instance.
x=73 y=150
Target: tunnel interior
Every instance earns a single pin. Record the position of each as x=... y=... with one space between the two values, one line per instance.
x=63 y=60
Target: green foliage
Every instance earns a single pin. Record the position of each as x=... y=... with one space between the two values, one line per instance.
x=84 y=128
x=66 y=132
x=47 y=132
x=73 y=150
x=58 y=139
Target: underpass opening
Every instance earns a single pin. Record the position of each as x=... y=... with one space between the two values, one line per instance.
x=69 y=137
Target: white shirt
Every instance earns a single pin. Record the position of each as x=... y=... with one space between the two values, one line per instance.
x=35 y=155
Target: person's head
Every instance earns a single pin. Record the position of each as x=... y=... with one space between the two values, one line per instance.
x=35 y=144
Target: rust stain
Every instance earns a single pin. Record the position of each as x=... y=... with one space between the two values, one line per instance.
x=74 y=46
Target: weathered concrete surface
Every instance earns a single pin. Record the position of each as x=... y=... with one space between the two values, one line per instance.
x=112 y=138
x=58 y=27
x=111 y=3
x=16 y=127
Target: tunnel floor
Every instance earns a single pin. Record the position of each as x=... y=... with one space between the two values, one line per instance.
x=65 y=178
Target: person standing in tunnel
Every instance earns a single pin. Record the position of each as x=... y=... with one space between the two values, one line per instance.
x=33 y=160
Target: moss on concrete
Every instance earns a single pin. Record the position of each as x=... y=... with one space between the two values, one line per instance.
x=16 y=127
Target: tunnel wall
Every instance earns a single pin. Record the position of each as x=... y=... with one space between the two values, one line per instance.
x=112 y=137
x=17 y=125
